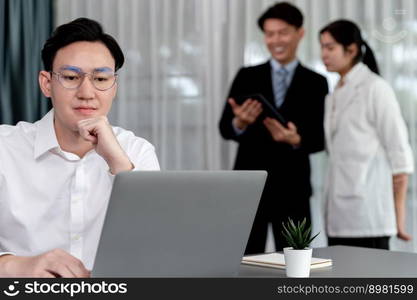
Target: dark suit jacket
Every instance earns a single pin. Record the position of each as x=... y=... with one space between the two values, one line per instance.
x=288 y=168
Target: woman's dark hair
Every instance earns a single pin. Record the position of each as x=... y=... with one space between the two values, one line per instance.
x=347 y=33
x=81 y=29
x=283 y=11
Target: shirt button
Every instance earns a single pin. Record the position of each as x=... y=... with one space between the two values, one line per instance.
x=76 y=237
x=75 y=200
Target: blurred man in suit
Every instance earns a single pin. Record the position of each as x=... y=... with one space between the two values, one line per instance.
x=264 y=143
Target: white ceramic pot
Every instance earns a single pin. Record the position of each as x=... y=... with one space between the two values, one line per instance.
x=297 y=262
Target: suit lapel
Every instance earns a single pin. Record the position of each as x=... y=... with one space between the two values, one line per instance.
x=297 y=79
x=266 y=85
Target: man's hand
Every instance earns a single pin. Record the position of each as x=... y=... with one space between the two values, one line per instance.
x=55 y=263
x=99 y=132
x=281 y=134
x=245 y=114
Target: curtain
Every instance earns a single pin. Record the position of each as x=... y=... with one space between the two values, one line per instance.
x=24 y=27
x=181 y=56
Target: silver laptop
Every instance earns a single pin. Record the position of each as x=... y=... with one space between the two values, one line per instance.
x=178 y=223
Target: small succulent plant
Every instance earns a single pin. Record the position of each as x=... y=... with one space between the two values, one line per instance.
x=297 y=236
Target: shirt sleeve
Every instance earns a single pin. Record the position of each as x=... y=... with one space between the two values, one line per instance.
x=142 y=155
x=391 y=128
x=1 y=173
x=1 y=184
x=226 y=127
x=237 y=130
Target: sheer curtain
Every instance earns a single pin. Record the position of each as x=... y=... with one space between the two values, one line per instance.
x=181 y=56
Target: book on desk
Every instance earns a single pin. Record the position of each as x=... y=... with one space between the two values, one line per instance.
x=277 y=260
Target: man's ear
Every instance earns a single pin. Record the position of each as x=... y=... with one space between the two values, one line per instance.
x=301 y=33
x=45 y=83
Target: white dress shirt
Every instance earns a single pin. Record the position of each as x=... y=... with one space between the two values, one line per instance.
x=289 y=67
x=367 y=142
x=50 y=198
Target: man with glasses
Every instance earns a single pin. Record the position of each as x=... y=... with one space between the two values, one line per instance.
x=56 y=175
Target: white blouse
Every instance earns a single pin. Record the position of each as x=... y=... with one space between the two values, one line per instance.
x=367 y=142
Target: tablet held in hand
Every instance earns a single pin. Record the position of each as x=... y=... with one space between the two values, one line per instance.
x=268 y=109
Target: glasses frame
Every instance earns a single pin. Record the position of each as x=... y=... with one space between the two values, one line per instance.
x=83 y=74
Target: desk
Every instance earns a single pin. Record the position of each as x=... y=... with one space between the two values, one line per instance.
x=350 y=262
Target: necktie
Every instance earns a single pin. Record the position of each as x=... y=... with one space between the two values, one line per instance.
x=280 y=86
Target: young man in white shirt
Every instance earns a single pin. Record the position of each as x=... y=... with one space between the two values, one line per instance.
x=56 y=174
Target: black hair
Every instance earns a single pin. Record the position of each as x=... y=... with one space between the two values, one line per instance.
x=81 y=29
x=347 y=33
x=283 y=11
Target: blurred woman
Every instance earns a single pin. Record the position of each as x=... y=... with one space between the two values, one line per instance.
x=367 y=141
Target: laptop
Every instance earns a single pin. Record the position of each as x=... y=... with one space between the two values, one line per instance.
x=178 y=223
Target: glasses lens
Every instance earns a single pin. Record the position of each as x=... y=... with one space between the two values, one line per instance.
x=70 y=79
x=103 y=80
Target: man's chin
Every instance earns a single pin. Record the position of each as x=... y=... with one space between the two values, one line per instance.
x=282 y=58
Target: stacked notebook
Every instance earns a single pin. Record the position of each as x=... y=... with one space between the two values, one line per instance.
x=276 y=260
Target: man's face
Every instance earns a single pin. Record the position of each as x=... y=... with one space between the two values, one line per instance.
x=282 y=39
x=86 y=101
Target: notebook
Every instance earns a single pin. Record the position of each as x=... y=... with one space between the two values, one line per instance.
x=277 y=260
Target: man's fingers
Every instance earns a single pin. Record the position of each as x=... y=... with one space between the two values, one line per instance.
x=54 y=263
x=279 y=125
x=248 y=111
x=87 y=135
x=66 y=265
x=74 y=265
x=46 y=274
x=257 y=111
x=250 y=106
x=292 y=127
x=269 y=124
x=86 y=131
x=233 y=103
x=274 y=124
x=245 y=106
x=79 y=269
x=256 y=106
x=61 y=270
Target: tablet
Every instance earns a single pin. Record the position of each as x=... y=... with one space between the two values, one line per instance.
x=268 y=109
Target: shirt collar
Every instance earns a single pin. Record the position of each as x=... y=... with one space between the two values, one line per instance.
x=45 y=139
x=353 y=74
x=290 y=67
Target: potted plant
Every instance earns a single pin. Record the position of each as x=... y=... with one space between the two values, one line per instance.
x=298 y=255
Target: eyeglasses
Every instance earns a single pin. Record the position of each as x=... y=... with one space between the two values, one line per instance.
x=101 y=80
